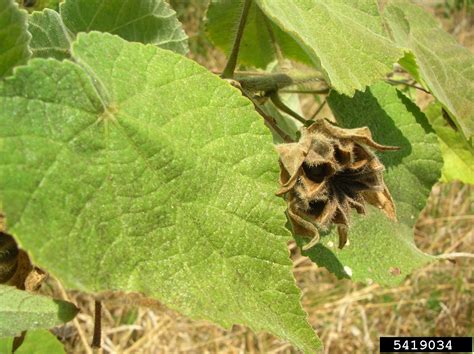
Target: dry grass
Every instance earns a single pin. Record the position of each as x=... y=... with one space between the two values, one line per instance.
x=349 y=318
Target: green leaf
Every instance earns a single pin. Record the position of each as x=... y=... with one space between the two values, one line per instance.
x=14 y=37
x=381 y=250
x=150 y=175
x=21 y=310
x=36 y=342
x=261 y=39
x=345 y=38
x=443 y=65
x=50 y=38
x=458 y=155
x=145 y=21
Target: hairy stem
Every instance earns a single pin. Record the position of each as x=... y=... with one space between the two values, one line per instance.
x=309 y=92
x=232 y=60
x=271 y=123
x=281 y=106
x=406 y=83
x=319 y=109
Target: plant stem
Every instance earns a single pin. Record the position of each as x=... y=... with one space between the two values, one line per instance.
x=321 y=106
x=281 y=106
x=270 y=121
x=232 y=60
x=96 y=339
x=309 y=92
x=399 y=82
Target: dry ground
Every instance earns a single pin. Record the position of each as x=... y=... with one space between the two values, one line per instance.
x=349 y=318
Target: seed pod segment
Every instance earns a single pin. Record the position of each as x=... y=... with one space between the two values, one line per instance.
x=328 y=172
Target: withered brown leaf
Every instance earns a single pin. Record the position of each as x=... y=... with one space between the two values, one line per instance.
x=328 y=172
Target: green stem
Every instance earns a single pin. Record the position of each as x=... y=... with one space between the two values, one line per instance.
x=232 y=60
x=281 y=106
x=401 y=82
x=270 y=121
x=321 y=106
x=309 y=92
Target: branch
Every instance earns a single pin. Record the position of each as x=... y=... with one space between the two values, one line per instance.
x=319 y=109
x=269 y=120
x=310 y=92
x=281 y=106
x=232 y=60
x=401 y=82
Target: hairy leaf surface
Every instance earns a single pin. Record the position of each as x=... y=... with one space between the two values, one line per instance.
x=145 y=21
x=262 y=39
x=21 y=310
x=458 y=155
x=137 y=169
x=442 y=64
x=50 y=37
x=14 y=37
x=345 y=38
x=381 y=250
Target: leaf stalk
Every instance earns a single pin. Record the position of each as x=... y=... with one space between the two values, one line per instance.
x=229 y=69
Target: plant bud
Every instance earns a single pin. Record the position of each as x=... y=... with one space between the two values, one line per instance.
x=327 y=173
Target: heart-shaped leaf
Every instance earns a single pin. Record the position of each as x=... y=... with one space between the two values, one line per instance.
x=134 y=168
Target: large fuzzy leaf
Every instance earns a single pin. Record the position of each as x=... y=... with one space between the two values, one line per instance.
x=21 y=310
x=148 y=173
x=145 y=21
x=148 y=21
x=262 y=39
x=14 y=37
x=345 y=38
x=443 y=65
x=50 y=37
x=381 y=250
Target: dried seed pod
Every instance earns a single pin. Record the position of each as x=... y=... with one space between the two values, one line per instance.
x=327 y=173
x=15 y=266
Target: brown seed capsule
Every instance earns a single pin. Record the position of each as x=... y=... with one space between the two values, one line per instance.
x=327 y=173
